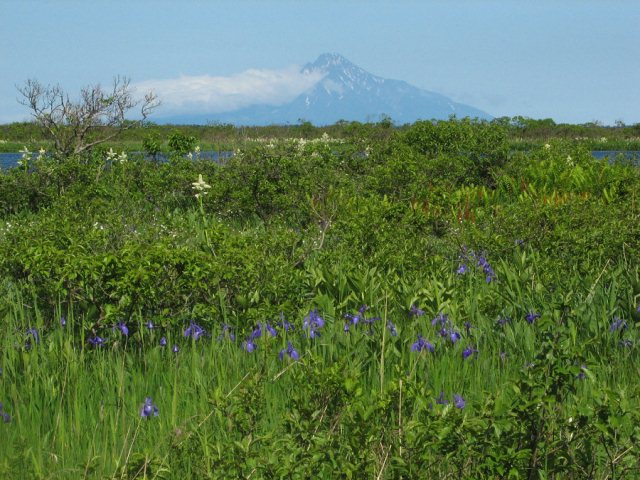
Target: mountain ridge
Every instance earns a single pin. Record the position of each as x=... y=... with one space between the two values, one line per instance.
x=347 y=92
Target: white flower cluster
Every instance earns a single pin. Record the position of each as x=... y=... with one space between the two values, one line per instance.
x=200 y=187
x=196 y=151
x=118 y=157
x=27 y=156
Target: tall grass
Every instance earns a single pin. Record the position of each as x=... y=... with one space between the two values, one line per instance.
x=75 y=408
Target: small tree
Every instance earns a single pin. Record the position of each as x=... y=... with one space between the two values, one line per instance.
x=97 y=117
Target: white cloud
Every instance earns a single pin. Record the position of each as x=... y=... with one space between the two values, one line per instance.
x=207 y=94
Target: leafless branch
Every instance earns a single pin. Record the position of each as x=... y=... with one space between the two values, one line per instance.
x=98 y=116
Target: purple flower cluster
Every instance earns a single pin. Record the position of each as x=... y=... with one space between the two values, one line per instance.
x=227 y=331
x=469 y=257
x=392 y=328
x=582 y=374
x=531 y=317
x=249 y=344
x=6 y=418
x=313 y=322
x=446 y=328
x=194 y=331
x=422 y=344
x=359 y=318
x=290 y=351
x=122 y=327
x=458 y=401
x=97 y=341
x=618 y=325
x=486 y=269
x=148 y=408
x=414 y=311
x=469 y=351
x=32 y=334
x=284 y=324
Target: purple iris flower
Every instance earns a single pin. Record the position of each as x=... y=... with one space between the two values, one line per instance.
x=148 y=408
x=370 y=320
x=97 y=341
x=313 y=322
x=346 y=328
x=354 y=319
x=272 y=331
x=257 y=332
x=361 y=317
x=532 y=317
x=249 y=345
x=502 y=321
x=441 y=400
x=392 y=328
x=458 y=401
x=421 y=344
x=175 y=349
x=150 y=325
x=467 y=352
x=292 y=352
x=34 y=333
x=415 y=311
x=490 y=274
x=440 y=319
x=194 y=331
x=227 y=330
x=447 y=329
x=6 y=418
x=582 y=375
x=462 y=269
x=284 y=324
x=618 y=324
x=63 y=321
x=123 y=328
x=163 y=342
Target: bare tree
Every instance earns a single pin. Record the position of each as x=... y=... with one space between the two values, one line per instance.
x=97 y=117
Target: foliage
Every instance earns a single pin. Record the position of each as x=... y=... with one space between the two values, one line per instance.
x=455 y=310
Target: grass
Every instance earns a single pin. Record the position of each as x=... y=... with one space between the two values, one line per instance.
x=285 y=229
x=75 y=408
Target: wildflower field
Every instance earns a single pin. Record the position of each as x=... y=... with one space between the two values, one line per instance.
x=427 y=303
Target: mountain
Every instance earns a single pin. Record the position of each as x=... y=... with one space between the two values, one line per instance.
x=345 y=92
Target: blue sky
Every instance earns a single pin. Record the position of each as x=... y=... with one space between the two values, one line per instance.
x=574 y=61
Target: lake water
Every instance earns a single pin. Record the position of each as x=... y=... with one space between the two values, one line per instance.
x=8 y=160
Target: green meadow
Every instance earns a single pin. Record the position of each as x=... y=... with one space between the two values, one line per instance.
x=456 y=300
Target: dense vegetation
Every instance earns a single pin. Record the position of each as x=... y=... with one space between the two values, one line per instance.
x=522 y=134
x=415 y=302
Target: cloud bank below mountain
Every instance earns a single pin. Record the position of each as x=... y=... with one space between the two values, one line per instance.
x=217 y=94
